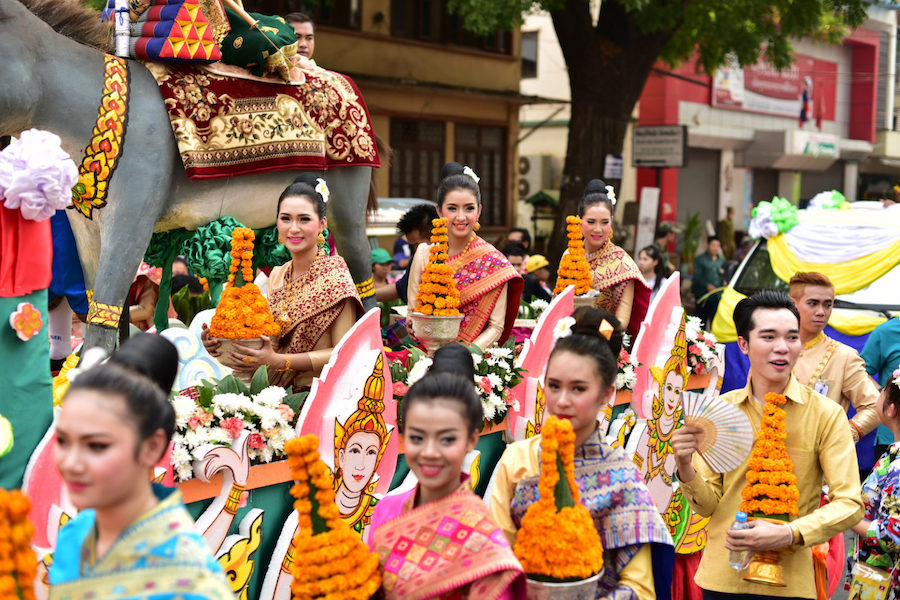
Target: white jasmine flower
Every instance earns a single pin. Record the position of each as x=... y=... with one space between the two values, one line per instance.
x=539 y=304
x=322 y=188
x=467 y=170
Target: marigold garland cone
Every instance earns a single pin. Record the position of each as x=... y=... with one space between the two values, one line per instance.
x=558 y=540
x=771 y=488
x=574 y=268
x=330 y=561
x=18 y=563
x=243 y=313
x=437 y=293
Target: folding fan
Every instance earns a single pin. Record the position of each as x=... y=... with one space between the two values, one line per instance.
x=727 y=436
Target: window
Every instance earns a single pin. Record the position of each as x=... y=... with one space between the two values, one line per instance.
x=345 y=14
x=529 y=54
x=484 y=149
x=418 y=157
x=429 y=21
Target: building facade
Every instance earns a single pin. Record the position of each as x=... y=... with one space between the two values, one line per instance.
x=435 y=92
x=754 y=133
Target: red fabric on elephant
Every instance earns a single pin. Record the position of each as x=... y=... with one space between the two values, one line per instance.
x=227 y=126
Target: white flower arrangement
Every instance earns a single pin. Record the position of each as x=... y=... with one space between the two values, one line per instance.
x=322 y=189
x=495 y=375
x=627 y=373
x=36 y=175
x=611 y=194
x=217 y=416
x=533 y=309
x=701 y=347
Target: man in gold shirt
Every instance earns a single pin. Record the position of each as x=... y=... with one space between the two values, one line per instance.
x=829 y=367
x=818 y=442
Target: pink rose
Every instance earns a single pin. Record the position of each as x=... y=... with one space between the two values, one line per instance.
x=694 y=349
x=710 y=343
x=400 y=388
x=256 y=441
x=700 y=369
x=233 y=426
x=287 y=413
x=194 y=423
x=485 y=384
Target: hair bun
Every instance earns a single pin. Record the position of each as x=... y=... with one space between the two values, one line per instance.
x=308 y=178
x=453 y=358
x=588 y=321
x=153 y=356
x=595 y=186
x=451 y=168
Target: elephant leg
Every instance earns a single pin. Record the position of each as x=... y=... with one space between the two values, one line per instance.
x=349 y=187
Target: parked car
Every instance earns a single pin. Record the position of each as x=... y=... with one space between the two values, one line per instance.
x=381 y=226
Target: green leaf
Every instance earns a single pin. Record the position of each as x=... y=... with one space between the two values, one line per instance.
x=229 y=385
x=295 y=401
x=260 y=380
x=208 y=384
x=319 y=525
x=241 y=386
x=206 y=397
x=562 y=492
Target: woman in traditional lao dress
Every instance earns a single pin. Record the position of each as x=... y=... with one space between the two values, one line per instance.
x=622 y=288
x=131 y=538
x=489 y=287
x=580 y=381
x=312 y=297
x=466 y=554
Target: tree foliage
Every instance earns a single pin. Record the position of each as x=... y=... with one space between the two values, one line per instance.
x=712 y=28
x=610 y=49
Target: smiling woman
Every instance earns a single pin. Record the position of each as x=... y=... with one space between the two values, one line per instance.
x=313 y=296
x=490 y=287
x=114 y=425
x=439 y=420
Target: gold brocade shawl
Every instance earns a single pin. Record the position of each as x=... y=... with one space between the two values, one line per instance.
x=611 y=269
x=313 y=302
x=480 y=280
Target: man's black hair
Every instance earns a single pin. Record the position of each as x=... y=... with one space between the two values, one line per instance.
x=772 y=299
x=181 y=280
x=514 y=249
x=418 y=218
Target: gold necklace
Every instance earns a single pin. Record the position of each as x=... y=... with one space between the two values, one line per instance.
x=456 y=261
x=284 y=320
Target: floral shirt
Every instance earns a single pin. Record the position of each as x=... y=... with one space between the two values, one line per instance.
x=881 y=494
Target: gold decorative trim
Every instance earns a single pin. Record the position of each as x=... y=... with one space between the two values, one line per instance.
x=234 y=499
x=366 y=288
x=104 y=315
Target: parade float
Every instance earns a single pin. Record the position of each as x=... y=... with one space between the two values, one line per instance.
x=228 y=456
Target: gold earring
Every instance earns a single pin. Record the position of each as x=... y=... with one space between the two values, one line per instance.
x=320 y=239
x=477 y=226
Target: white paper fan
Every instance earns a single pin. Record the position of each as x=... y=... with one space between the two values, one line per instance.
x=727 y=436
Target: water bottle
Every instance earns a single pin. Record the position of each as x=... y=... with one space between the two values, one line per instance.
x=736 y=559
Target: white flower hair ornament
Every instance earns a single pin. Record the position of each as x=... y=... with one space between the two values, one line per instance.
x=896 y=377
x=611 y=194
x=322 y=189
x=563 y=328
x=468 y=171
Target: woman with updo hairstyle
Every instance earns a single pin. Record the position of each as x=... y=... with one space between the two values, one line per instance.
x=312 y=297
x=439 y=420
x=130 y=535
x=580 y=382
x=623 y=290
x=489 y=286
